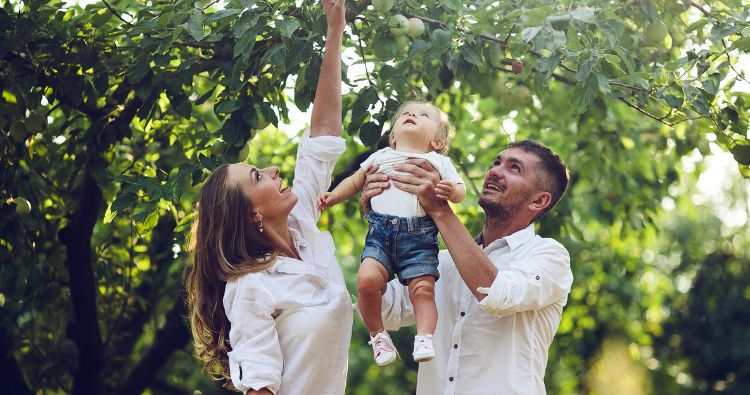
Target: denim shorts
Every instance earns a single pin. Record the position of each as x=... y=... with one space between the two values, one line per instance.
x=405 y=246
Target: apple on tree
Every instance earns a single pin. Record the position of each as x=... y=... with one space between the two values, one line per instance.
x=398 y=25
x=402 y=43
x=23 y=206
x=382 y=6
x=416 y=27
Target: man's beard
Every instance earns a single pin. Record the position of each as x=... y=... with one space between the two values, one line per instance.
x=496 y=210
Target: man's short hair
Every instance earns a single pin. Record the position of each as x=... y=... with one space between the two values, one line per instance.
x=554 y=177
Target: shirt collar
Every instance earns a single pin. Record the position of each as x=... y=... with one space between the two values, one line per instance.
x=297 y=238
x=513 y=240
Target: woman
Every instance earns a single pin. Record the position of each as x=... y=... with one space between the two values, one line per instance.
x=268 y=306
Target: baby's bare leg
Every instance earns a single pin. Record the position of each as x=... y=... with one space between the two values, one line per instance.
x=422 y=296
x=371 y=282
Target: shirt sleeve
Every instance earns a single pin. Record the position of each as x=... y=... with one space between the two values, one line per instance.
x=255 y=361
x=316 y=157
x=531 y=283
x=396 y=308
x=451 y=174
x=370 y=159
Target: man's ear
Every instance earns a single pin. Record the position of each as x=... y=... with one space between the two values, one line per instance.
x=541 y=201
x=437 y=144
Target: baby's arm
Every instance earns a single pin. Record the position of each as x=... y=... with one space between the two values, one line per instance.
x=449 y=190
x=345 y=190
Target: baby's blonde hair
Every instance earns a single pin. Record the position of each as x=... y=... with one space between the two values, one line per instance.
x=446 y=131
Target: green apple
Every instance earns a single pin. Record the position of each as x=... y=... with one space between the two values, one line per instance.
x=398 y=25
x=244 y=152
x=655 y=33
x=382 y=6
x=23 y=206
x=402 y=43
x=416 y=27
x=36 y=122
x=521 y=95
x=18 y=132
x=218 y=147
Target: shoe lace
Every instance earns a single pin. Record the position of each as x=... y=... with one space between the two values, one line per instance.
x=380 y=343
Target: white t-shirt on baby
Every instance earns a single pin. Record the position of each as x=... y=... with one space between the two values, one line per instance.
x=394 y=201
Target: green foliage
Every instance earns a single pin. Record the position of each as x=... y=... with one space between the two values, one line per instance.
x=112 y=114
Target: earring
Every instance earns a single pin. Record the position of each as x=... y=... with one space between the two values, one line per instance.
x=260 y=226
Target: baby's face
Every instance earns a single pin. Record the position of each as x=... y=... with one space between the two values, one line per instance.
x=415 y=128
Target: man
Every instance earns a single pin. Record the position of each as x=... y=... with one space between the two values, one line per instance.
x=500 y=296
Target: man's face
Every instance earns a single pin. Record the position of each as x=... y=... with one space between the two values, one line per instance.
x=509 y=183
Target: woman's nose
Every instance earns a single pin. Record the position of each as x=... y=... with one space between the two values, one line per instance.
x=273 y=171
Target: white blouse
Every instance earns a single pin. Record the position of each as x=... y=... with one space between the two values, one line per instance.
x=291 y=324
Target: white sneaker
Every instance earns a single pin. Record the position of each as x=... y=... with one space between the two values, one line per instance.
x=423 y=350
x=383 y=349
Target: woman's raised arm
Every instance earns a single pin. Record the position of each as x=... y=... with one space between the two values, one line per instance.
x=326 y=112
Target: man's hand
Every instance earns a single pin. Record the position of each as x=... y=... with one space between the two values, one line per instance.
x=375 y=184
x=422 y=181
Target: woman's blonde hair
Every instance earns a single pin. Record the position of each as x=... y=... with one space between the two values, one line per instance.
x=446 y=130
x=224 y=244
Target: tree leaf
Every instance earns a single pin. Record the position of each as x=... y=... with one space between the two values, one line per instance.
x=194 y=26
x=741 y=153
x=287 y=26
x=221 y=14
x=471 y=54
x=583 y=94
x=583 y=14
x=370 y=133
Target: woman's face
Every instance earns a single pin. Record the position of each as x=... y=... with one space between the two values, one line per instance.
x=264 y=188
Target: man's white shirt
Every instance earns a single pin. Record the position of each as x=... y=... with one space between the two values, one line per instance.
x=498 y=346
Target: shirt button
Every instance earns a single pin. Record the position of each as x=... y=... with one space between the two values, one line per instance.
x=455 y=346
x=450 y=378
x=463 y=314
x=537 y=277
x=394 y=221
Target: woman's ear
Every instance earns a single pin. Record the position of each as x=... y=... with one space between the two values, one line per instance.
x=256 y=217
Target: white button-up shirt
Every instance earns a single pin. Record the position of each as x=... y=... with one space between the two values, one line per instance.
x=291 y=324
x=498 y=346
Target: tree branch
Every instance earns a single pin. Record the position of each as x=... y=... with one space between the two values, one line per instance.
x=76 y=237
x=117 y=14
x=706 y=13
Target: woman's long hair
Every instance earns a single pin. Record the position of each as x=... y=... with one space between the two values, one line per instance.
x=224 y=244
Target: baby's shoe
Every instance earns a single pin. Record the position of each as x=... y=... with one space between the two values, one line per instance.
x=423 y=350
x=383 y=349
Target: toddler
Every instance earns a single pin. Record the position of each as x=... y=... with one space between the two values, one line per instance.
x=402 y=239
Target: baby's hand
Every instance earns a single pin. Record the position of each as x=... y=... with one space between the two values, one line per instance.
x=444 y=189
x=323 y=201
